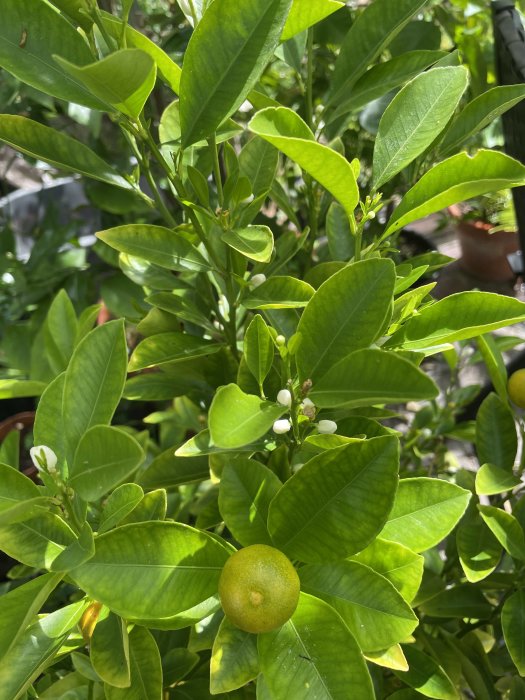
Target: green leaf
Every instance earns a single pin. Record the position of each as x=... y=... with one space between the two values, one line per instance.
x=109 y=651
x=36 y=542
x=491 y=480
x=60 y=331
x=220 y=69
x=49 y=420
x=258 y=162
x=35 y=649
x=170 y=347
x=76 y=553
x=30 y=34
x=424 y=512
x=459 y=317
x=370 y=376
x=315 y=518
x=496 y=437
x=237 y=419
x=507 y=530
x=492 y=356
x=319 y=653
x=234 y=659
x=458 y=178
x=258 y=349
x=399 y=565
x=124 y=79
x=459 y=601
x=479 y=113
x=479 y=551
x=341 y=243
x=167 y=471
x=426 y=676
x=383 y=77
x=20 y=388
x=94 y=381
x=202 y=444
x=168 y=70
x=19 y=607
x=118 y=505
x=10 y=449
x=255 y=242
x=152 y=570
x=372 y=609
x=279 y=292
x=375 y=27
x=57 y=148
x=307 y=13
x=414 y=118
x=348 y=312
x=245 y=492
x=159 y=245
x=513 y=624
x=145 y=669
x=285 y=130
x=105 y=456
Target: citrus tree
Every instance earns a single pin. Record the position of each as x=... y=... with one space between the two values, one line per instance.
x=265 y=543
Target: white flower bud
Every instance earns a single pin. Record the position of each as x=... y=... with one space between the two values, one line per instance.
x=371 y=215
x=257 y=280
x=281 y=426
x=280 y=340
x=44 y=458
x=308 y=408
x=284 y=397
x=308 y=403
x=327 y=426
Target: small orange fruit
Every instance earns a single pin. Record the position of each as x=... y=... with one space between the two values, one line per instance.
x=516 y=387
x=259 y=588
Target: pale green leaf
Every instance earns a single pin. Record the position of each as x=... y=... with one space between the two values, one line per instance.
x=306 y=13
x=255 y=242
x=507 y=530
x=234 y=659
x=279 y=292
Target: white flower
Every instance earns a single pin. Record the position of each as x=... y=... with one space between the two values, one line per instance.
x=308 y=408
x=43 y=457
x=257 y=280
x=281 y=426
x=284 y=397
x=327 y=426
x=308 y=403
x=280 y=340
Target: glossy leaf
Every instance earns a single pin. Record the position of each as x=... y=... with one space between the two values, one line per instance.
x=167 y=471
x=370 y=376
x=80 y=550
x=348 y=312
x=157 y=244
x=20 y=388
x=315 y=518
x=94 y=381
x=19 y=607
x=35 y=649
x=459 y=601
x=372 y=609
x=258 y=349
x=124 y=79
x=513 y=623
x=220 y=69
x=385 y=76
x=60 y=331
x=479 y=113
x=258 y=162
x=496 y=438
x=399 y=565
x=237 y=419
x=414 y=118
x=56 y=148
x=306 y=13
x=170 y=347
x=341 y=243
x=118 y=505
x=279 y=292
x=425 y=511
x=479 y=551
x=506 y=529
x=152 y=570
x=285 y=130
x=234 y=659
x=202 y=444
x=105 y=456
x=459 y=317
x=246 y=490
x=255 y=242
x=31 y=32
x=109 y=651
x=453 y=180
x=145 y=669
x=369 y=35
x=491 y=480
x=36 y=542
x=426 y=676
x=314 y=650
x=494 y=362
x=49 y=426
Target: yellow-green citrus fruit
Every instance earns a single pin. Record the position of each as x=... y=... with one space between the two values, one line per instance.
x=259 y=588
x=516 y=387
